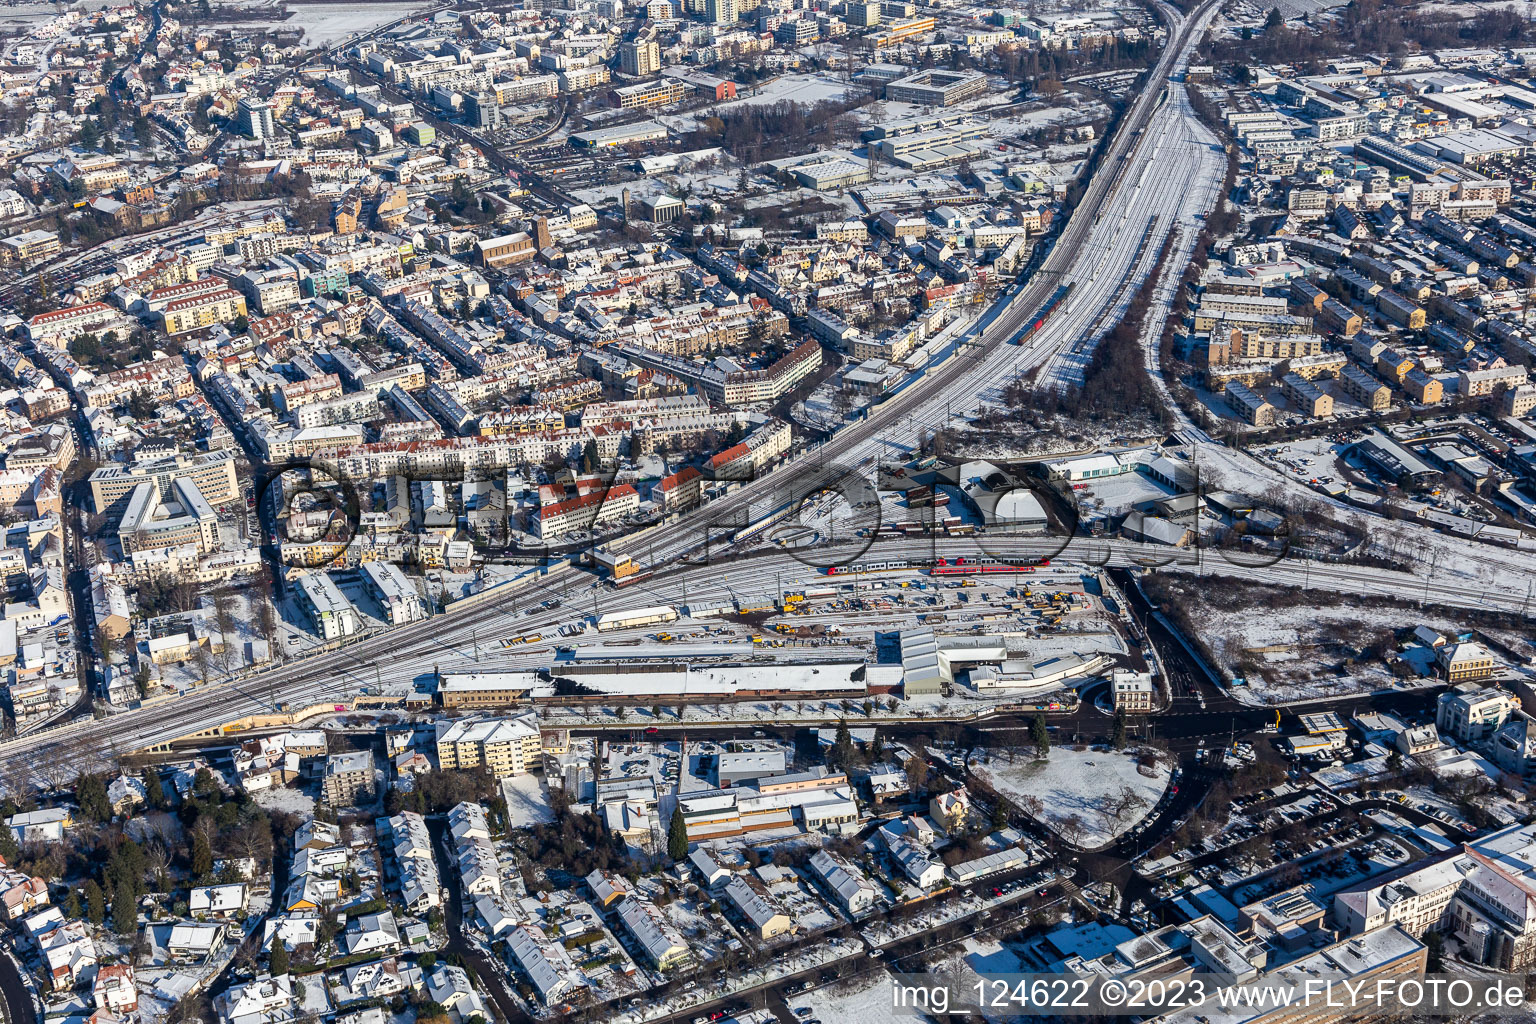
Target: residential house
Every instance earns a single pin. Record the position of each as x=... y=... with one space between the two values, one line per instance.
x=846 y=883
x=69 y=955
x=950 y=811
x=189 y=942
x=449 y=987
x=22 y=895
x=114 y=989
x=260 y=1001
x=546 y=965
x=762 y=913
x=224 y=901
x=607 y=888
x=375 y=980
x=316 y=835
x=370 y=933
x=292 y=930
x=659 y=943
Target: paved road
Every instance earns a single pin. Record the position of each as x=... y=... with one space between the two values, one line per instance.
x=19 y=1008
x=491 y=978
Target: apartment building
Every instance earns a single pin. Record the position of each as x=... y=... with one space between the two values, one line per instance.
x=1133 y=691
x=65 y=325
x=200 y=312
x=898 y=32
x=1364 y=388
x=1519 y=400
x=394 y=591
x=640 y=57
x=1484 y=383
x=1464 y=662
x=212 y=472
x=1305 y=397
x=329 y=610
x=663 y=92
x=1395 y=309
x=573 y=80
x=1225 y=346
x=678 y=491
x=30 y=248
x=1422 y=388
x=747 y=387
x=1213 y=320
x=346 y=776
x=587 y=512
x=504 y=746
x=91 y=173
x=1248 y=405
x=148 y=522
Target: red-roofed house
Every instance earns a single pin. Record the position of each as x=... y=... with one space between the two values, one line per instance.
x=735 y=463
x=22 y=897
x=679 y=491
x=588 y=512
x=114 y=989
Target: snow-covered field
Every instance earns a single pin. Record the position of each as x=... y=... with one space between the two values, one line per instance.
x=1088 y=796
x=803 y=88
x=974 y=962
x=327 y=24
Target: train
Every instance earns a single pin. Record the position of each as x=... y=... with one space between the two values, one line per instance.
x=959 y=565
x=1050 y=307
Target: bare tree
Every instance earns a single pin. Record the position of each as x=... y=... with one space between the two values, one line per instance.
x=1123 y=807
x=58 y=766
x=1073 y=829
x=224 y=618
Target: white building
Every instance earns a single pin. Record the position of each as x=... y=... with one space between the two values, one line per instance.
x=328 y=608
x=394 y=591
x=1484 y=894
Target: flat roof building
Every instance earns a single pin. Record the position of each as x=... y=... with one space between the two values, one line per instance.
x=329 y=609
x=937 y=88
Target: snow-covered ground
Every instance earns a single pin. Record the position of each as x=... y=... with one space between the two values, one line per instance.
x=284 y=798
x=973 y=962
x=1087 y=796
x=327 y=24
x=815 y=87
x=1302 y=651
x=865 y=999
x=527 y=801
